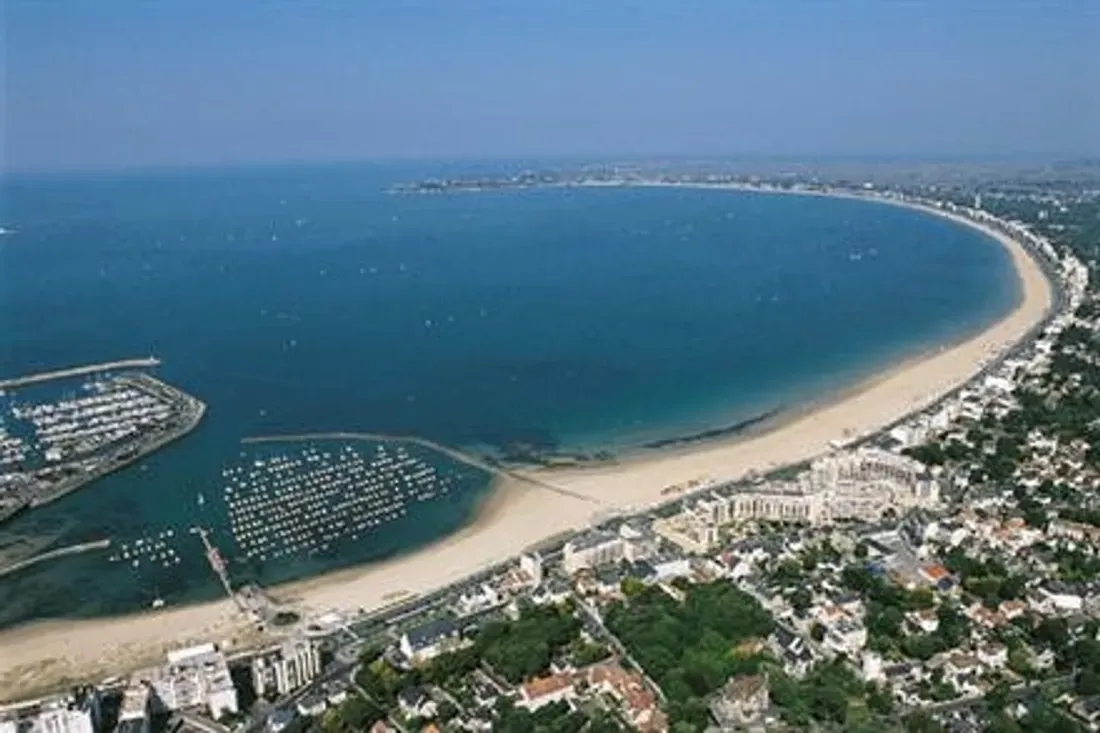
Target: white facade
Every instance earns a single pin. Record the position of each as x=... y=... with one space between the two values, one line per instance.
x=63 y=719
x=862 y=484
x=693 y=532
x=134 y=715
x=532 y=566
x=593 y=550
x=286 y=668
x=196 y=677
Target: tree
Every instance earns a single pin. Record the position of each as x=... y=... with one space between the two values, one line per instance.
x=920 y=721
x=801 y=600
x=996 y=699
x=1088 y=683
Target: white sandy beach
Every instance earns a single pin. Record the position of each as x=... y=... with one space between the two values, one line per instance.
x=519 y=514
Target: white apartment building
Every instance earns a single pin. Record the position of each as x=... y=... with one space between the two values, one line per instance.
x=603 y=547
x=592 y=550
x=196 y=677
x=78 y=713
x=285 y=668
x=862 y=484
x=134 y=713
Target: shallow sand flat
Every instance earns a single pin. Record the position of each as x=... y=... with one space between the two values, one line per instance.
x=518 y=514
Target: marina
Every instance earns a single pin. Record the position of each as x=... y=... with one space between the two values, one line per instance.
x=307 y=501
x=52 y=444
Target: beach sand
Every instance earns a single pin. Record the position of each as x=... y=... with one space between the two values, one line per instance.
x=518 y=514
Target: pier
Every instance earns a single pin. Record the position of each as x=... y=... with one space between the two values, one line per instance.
x=54 y=554
x=80 y=371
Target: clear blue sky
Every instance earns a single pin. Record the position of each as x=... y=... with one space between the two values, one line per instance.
x=106 y=83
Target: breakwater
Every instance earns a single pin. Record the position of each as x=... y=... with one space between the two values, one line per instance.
x=50 y=376
x=54 y=554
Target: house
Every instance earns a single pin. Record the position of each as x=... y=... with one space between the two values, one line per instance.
x=1061 y=596
x=937 y=575
x=545 y=690
x=415 y=702
x=742 y=702
x=846 y=636
x=552 y=593
x=479 y=599
x=671 y=568
x=336 y=692
x=638 y=702
x=961 y=667
x=871 y=668
x=1088 y=709
x=278 y=719
x=925 y=621
x=792 y=650
x=312 y=705
x=993 y=655
x=430 y=640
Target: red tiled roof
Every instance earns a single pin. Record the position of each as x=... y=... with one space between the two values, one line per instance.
x=543 y=686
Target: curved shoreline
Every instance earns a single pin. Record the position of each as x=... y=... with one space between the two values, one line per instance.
x=514 y=517
x=853 y=413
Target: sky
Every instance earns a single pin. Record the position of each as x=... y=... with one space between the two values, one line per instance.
x=98 y=84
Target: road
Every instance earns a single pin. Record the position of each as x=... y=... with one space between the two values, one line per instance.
x=204 y=724
x=620 y=647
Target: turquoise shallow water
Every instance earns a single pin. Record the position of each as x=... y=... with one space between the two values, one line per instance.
x=307 y=299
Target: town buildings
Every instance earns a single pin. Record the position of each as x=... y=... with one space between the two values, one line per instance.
x=197 y=676
x=291 y=665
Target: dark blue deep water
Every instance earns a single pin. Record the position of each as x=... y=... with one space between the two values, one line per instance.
x=305 y=300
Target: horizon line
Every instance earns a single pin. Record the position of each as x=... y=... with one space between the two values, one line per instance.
x=610 y=158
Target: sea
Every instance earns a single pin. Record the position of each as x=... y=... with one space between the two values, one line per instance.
x=310 y=299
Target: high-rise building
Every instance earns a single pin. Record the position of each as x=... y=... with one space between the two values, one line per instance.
x=134 y=713
x=281 y=670
x=196 y=677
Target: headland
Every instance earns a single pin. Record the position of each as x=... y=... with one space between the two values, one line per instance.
x=518 y=515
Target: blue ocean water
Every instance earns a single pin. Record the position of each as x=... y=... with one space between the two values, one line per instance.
x=308 y=299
